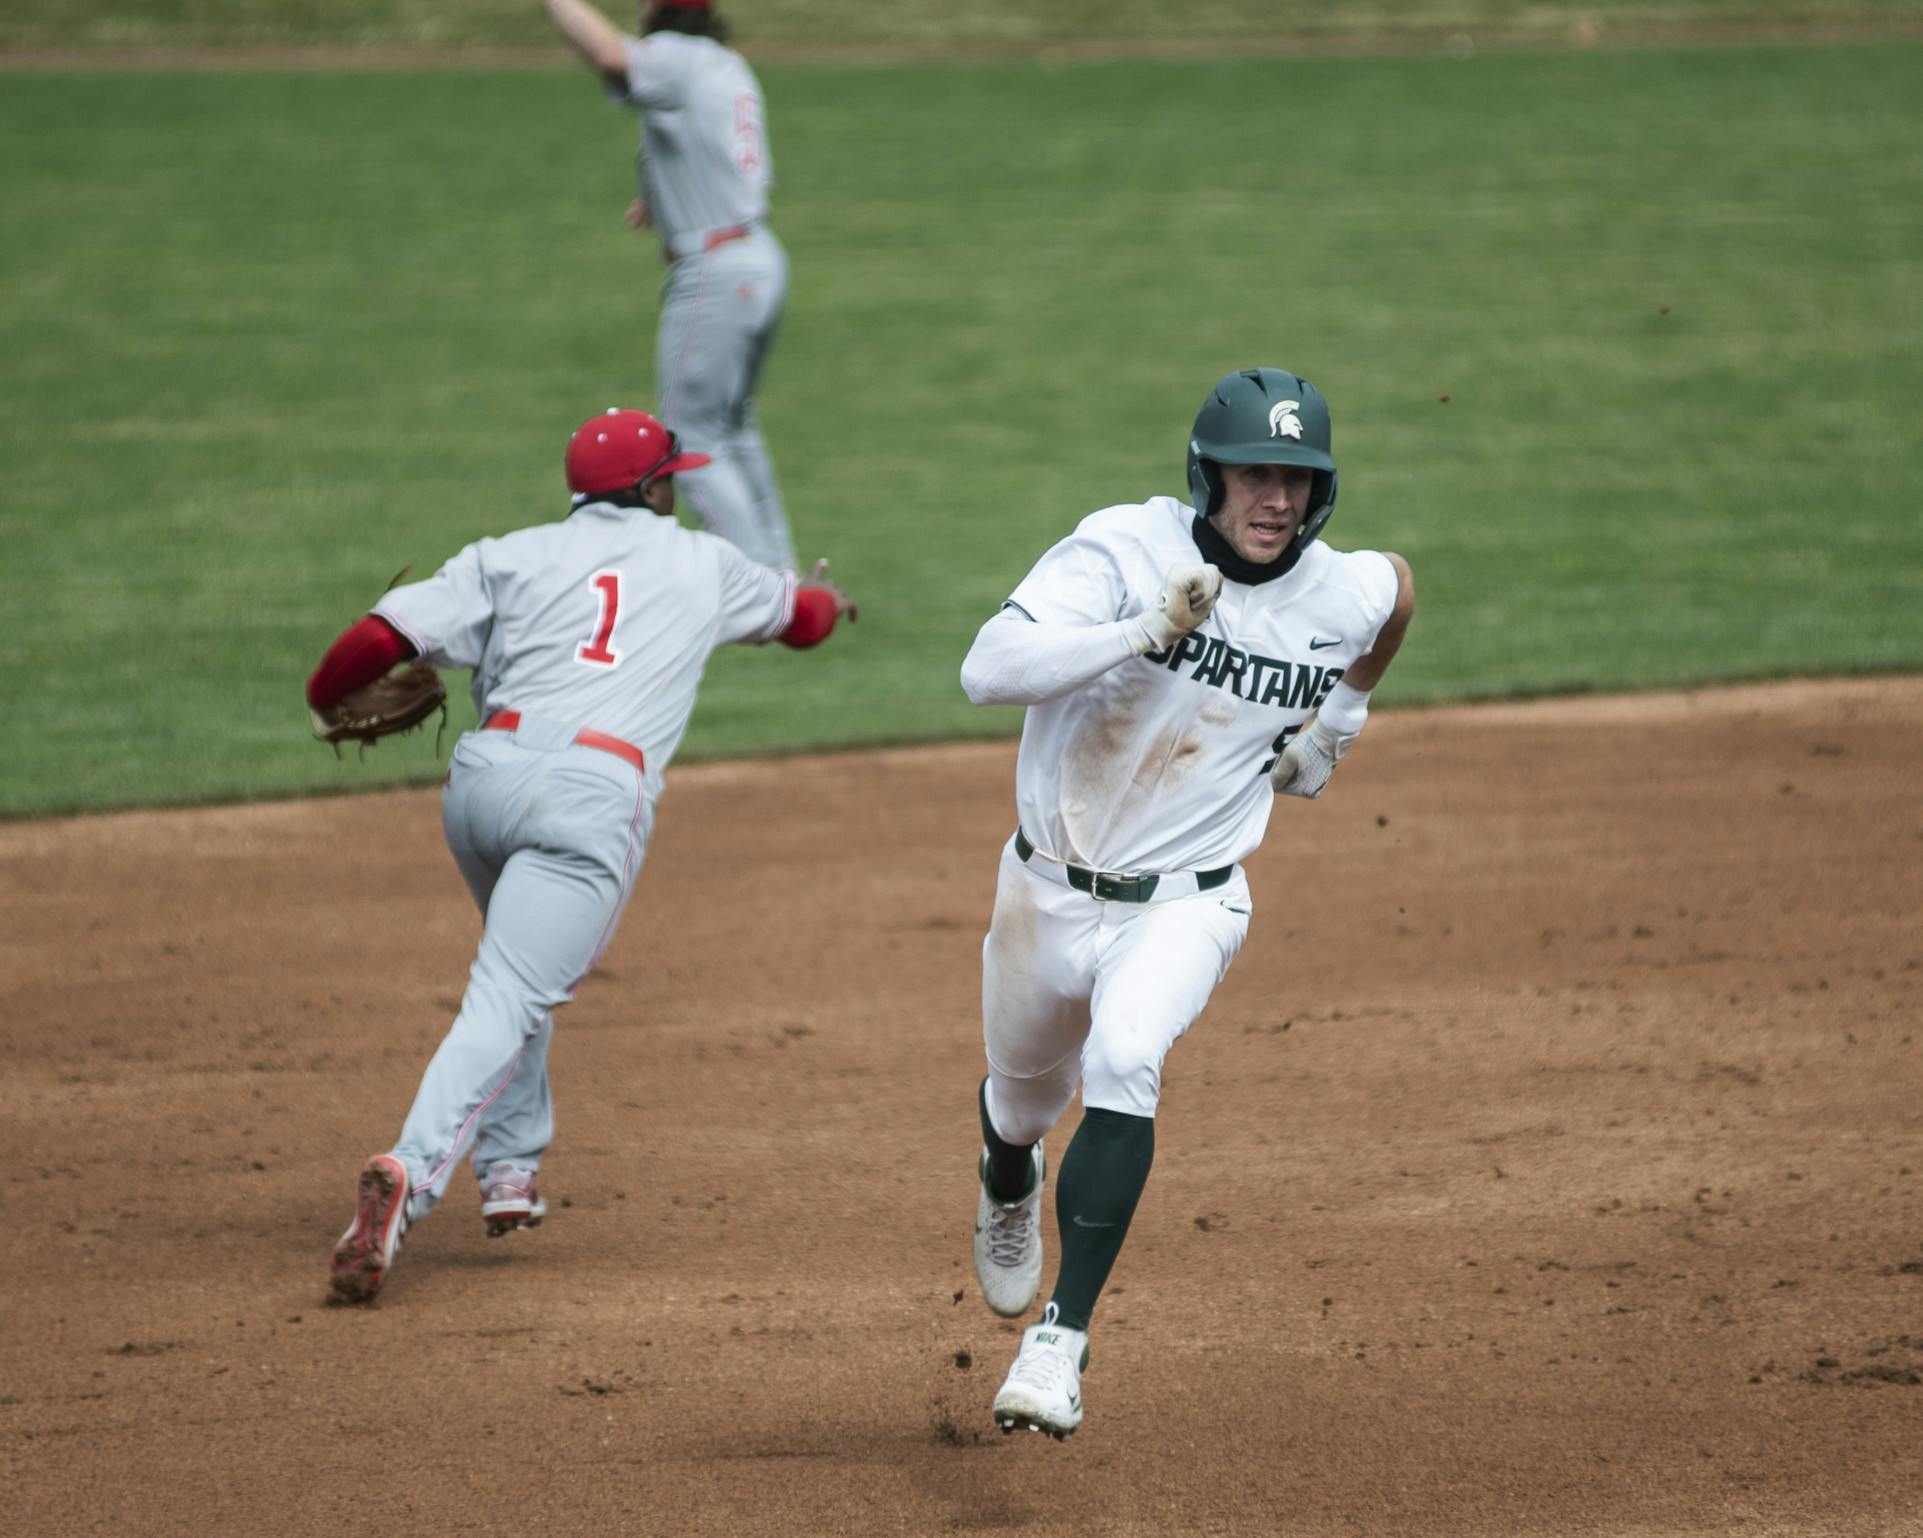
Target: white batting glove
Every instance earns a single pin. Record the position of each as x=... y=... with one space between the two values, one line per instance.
x=1309 y=759
x=1188 y=593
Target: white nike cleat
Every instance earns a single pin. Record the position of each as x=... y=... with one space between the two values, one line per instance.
x=1008 y=1243
x=1043 y=1390
x=510 y=1199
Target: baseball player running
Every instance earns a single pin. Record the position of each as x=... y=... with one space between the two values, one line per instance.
x=587 y=639
x=1181 y=667
x=704 y=174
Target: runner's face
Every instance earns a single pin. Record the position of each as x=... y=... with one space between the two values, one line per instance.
x=1262 y=507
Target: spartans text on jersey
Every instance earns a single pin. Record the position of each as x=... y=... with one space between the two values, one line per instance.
x=1247 y=675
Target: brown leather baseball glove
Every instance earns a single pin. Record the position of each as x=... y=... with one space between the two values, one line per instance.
x=397 y=703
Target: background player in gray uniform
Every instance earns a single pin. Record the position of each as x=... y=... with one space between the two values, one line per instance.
x=704 y=172
x=587 y=639
x=1181 y=667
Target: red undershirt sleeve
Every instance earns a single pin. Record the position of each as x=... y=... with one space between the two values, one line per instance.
x=814 y=618
x=362 y=654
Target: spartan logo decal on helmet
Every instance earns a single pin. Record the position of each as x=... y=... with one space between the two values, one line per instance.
x=1263 y=416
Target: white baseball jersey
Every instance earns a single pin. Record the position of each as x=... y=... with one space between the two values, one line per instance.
x=1161 y=763
x=705 y=164
x=605 y=620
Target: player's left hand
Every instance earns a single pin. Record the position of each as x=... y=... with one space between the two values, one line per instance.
x=638 y=216
x=397 y=703
x=819 y=578
x=1309 y=759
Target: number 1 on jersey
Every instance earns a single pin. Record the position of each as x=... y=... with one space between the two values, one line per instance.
x=607 y=584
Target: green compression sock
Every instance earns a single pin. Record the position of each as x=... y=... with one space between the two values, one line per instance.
x=1010 y=1166
x=1100 y=1181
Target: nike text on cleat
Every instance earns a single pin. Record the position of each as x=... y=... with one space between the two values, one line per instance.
x=1008 y=1242
x=365 y=1253
x=510 y=1200
x=1043 y=1390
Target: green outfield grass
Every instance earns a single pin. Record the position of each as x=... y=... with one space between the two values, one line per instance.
x=270 y=336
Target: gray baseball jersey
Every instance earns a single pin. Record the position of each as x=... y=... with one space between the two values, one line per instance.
x=605 y=619
x=705 y=164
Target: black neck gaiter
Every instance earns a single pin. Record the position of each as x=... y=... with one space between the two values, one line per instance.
x=1221 y=553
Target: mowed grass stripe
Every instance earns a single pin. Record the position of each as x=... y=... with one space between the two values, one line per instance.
x=931 y=25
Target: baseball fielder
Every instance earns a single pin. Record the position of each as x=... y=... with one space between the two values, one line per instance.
x=704 y=177
x=1181 y=667
x=587 y=639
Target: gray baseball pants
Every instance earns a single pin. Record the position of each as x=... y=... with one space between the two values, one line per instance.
x=549 y=837
x=720 y=310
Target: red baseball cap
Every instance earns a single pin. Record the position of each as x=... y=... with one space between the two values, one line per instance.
x=618 y=450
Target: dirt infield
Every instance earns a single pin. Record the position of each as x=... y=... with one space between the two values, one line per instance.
x=1548 y=1165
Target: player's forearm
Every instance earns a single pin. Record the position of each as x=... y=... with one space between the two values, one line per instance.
x=364 y=653
x=1017 y=661
x=594 y=37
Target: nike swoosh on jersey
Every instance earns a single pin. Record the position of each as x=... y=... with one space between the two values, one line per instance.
x=1317 y=645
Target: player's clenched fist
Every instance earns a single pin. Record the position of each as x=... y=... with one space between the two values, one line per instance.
x=1309 y=759
x=1188 y=593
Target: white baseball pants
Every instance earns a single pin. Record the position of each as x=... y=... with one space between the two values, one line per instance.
x=1076 y=990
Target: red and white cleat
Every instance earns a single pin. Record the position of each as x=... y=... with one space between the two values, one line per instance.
x=366 y=1251
x=510 y=1199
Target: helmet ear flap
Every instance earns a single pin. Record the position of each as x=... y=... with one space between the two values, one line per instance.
x=1322 y=491
x=1205 y=483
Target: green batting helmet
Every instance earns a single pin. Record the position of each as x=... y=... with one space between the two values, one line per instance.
x=1263 y=416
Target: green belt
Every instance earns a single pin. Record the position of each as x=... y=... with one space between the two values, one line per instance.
x=1121 y=889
